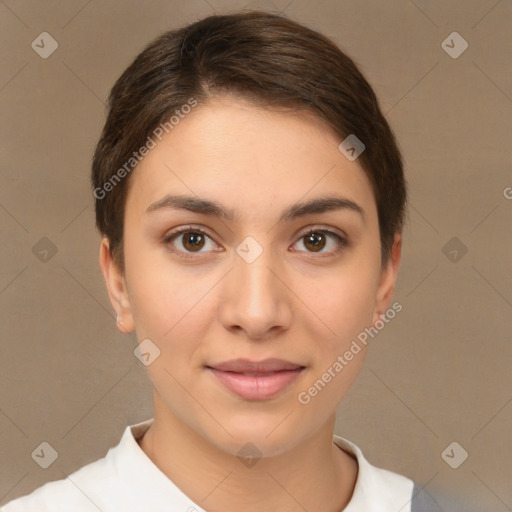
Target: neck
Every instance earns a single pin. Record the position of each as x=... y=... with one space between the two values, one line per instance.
x=314 y=475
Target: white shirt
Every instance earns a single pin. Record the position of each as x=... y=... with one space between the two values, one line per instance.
x=126 y=480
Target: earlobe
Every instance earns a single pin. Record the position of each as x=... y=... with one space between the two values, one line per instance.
x=116 y=287
x=388 y=279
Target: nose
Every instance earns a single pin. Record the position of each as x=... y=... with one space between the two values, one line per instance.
x=256 y=300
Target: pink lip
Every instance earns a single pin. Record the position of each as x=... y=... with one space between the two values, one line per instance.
x=256 y=380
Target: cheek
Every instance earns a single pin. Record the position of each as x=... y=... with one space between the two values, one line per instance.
x=344 y=304
x=345 y=309
x=161 y=294
x=171 y=306
x=170 y=310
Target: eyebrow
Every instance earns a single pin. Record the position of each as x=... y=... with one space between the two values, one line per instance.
x=215 y=209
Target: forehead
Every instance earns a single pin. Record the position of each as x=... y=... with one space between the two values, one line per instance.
x=249 y=158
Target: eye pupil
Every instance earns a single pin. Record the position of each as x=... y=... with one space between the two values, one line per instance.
x=193 y=238
x=313 y=238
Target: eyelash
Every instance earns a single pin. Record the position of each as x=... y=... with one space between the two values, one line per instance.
x=342 y=242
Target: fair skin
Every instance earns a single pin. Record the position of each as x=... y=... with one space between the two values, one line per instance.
x=291 y=303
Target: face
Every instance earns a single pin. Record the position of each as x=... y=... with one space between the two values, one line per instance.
x=261 y=281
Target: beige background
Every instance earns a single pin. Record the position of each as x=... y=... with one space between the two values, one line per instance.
x=438 y=373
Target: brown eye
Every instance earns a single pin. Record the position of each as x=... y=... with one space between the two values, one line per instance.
x=314 y=241
x=188 y=242
x=193 y=241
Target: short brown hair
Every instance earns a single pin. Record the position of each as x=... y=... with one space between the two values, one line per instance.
x=264 y=58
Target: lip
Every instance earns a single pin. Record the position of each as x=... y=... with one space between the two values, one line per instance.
x=246 y=365
x=256 y=380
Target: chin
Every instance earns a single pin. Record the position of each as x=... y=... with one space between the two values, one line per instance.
x=265 y=437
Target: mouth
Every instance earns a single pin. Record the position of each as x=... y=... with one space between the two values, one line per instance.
x=253 y=380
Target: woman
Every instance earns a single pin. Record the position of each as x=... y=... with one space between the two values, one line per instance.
x=251 y=199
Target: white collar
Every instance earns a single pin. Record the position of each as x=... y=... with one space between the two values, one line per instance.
x=376 y=489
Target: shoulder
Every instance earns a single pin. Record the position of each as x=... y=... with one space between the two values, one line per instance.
x=124 y=480
x=376 y=488
x=87 y=489
x=381 y=490
x=77 y=492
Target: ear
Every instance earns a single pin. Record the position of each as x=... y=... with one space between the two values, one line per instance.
x=116 y=286
x=388 y=279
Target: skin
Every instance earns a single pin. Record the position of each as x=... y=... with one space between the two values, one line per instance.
x=292 y=303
